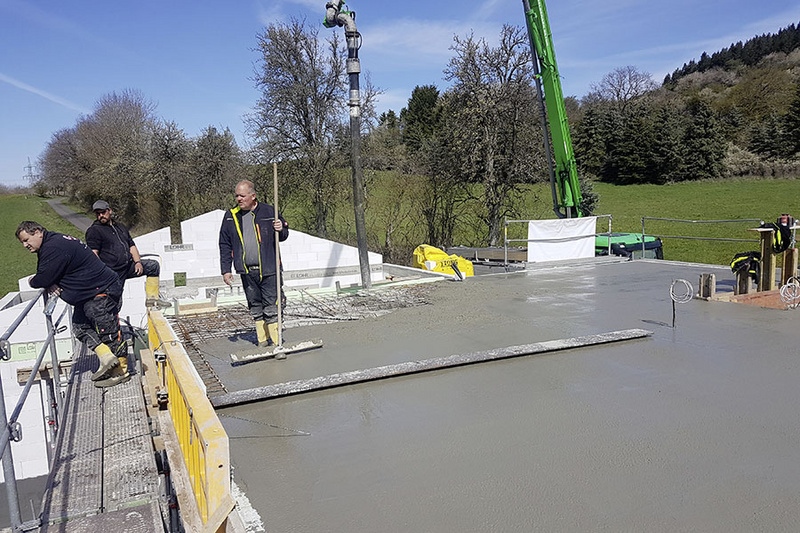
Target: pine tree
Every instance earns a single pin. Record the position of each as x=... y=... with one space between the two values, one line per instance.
x=791 y=126
x=703 y=141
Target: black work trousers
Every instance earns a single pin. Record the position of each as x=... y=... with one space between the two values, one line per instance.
x=96 y=321
x=262 y=295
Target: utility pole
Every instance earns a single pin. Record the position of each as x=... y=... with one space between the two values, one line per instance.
x=335 y=16
x=29 y=175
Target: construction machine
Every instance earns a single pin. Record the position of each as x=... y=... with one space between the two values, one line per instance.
x=564 y=182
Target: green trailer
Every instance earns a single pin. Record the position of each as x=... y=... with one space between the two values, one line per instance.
x=629 y=245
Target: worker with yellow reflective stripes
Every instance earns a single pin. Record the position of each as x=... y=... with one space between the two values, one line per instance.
x=247 y=243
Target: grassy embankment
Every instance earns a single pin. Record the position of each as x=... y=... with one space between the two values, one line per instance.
x=722 y=200
x=15 y=261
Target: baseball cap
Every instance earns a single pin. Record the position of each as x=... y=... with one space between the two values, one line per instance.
x=100 y=205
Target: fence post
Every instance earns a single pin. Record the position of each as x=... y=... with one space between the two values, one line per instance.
x=743 y=283
x=789 y=268
x=643 y=246
x=767 y=280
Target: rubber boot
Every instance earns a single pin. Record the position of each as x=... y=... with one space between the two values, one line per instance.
x=261 y=333
x=272 y=327
x=108 y=361
x=123 y=362
x=117 y=377
x=152 y=294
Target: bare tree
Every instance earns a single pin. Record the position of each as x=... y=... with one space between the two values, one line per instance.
x=106 y=153
x=302 y=84
x=623 y=84
x=60 y=170
x=493 y=120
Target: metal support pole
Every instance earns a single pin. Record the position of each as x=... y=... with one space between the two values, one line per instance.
x=505 y=241
x=643 y=234
x=51 y=333
x=51 y=422
x=9 y=476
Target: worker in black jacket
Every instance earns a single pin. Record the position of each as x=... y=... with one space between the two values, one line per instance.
x=113 y=244
x=247 y=241
x=67 y=267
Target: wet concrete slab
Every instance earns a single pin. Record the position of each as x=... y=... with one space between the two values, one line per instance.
x=694 y=428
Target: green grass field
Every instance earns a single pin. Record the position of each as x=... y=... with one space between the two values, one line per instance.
x=724 y=200
x=15 y=261
x=718 y=200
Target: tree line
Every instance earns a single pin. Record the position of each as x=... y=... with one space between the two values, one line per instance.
x=446 y=169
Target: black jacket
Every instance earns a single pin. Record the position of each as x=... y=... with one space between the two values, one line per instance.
x=231 y=247
x=67 y=262
x=113 y=244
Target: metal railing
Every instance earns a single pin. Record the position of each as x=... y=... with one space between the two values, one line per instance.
x=12 y=429
x=720 y=239
x=506 y=240
x=202 y=439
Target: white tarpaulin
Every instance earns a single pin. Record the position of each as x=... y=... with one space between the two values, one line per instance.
x=561 y=238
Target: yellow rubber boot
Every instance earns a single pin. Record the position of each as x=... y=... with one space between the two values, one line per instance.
x=261 y=332
x=107 y=361
x=115 y=377
x=273 y=335
x=123 y=363
x=272 y=328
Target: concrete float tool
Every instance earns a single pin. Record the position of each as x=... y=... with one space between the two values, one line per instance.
x=280 y=350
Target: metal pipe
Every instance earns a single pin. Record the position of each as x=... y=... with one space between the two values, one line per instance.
x=335 y=17
x=643 y=239
x=10 y=478
x=51 y=334
x=51 y=420
x=4 y=338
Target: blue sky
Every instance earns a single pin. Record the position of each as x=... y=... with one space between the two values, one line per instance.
x=194 y=60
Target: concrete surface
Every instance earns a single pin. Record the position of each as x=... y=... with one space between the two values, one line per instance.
x=693 y=429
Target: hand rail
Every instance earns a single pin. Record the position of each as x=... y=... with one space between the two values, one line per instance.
x=12 y=430
x=720 y=239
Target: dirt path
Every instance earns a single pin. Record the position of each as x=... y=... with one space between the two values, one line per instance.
x=80 y=221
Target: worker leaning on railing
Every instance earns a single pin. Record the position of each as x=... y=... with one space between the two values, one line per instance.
x=67 y=267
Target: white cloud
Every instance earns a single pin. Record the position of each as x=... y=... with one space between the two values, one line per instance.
x=44 y=94
x=395 y=99
x=421 y=43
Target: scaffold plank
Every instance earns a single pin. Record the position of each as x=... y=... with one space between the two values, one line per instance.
x=104 y=459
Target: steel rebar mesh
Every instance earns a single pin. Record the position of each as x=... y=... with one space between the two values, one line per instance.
x=302 y=309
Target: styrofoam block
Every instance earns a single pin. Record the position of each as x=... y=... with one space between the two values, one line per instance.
x=31 y=469
x=24 y=285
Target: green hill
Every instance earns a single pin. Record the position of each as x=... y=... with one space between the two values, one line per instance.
x=15 y=261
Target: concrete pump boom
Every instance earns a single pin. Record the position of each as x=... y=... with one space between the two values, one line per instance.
x=564 y=177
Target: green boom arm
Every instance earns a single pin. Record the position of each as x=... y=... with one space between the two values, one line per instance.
x=564 y=178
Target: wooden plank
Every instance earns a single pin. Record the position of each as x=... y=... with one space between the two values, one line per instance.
x=789 y=268
x=45 y=371
x=179 y=474
x=152 y=381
